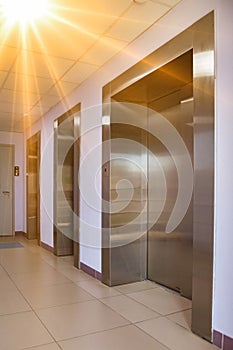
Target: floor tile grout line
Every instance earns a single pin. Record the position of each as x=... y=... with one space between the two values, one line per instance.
x=145 y=306
x=176 y=312
x=132 y=322
x=36 y=346
x=31 y=308
x=153 y=309
x=36 y=309
x=129 y=323
x=98 y=332
x=136 y=325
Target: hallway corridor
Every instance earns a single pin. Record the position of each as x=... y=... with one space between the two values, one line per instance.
x=47 y=304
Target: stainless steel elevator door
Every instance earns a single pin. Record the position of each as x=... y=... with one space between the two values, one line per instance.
x=163 y=100
x=128 y=193
x=170 y=254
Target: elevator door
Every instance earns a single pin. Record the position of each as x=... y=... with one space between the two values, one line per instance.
x=170 y=253
x=163 y=101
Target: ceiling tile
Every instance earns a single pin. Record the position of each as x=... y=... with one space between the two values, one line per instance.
x=26 y=83
x=136 y=20
x=45 y=66
x=103 y=50
x=10 y=36
x=7 y=57
x=91 y=16
x=62 y=89
x=106 y=7
x=3 y=76
x=59 y=40
x=18 y=97
x=8 y=124
x=5 y=115
x=126 y=29
x=168 y=2
x=79 y=72
x=147 y=12
x=49 y=100
x=38 y=111
x=13 y=108
x=25 y=122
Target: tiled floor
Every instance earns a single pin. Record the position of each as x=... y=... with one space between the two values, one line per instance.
x=47 y=304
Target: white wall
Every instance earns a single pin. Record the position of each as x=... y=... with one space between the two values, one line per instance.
x=89 y=94
x=223 y=297
x=16 y=139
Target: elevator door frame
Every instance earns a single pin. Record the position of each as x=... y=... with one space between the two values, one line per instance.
x=35 y=139
x=200 y=38
x=62 y=244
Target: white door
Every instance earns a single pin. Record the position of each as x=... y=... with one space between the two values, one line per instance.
x=6 y=190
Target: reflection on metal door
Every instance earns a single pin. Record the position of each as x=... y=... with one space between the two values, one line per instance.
x=170 y=255
x=66 y=191
x=6 y=190
x=33 y=189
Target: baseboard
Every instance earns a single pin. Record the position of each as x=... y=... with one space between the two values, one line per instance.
x=20 y=233
x=90 y=271
x=222 y=341
x=47 y=247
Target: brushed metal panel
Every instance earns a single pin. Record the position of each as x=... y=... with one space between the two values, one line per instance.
x=170 y=254
x=128 y=260
x=203 y=177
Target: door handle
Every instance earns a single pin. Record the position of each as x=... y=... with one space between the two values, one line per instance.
x=5 y=192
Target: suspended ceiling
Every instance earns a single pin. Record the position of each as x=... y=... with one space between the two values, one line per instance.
x=43 y=65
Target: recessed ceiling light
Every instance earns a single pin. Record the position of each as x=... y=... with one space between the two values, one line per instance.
x=23 y=11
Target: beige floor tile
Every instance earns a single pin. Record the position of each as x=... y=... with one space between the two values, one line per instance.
x=74 y=274
x=162 y=301
x=22 y=262
x=22 y=330
x=174 y=336
x=98 y=289
x=55 y=262
x=136 y=287
x=2 y=272
x=39 y=278
x=68 y=259
x=129 y=308
x=52 y=346
x=55 y=295
x=74 y=320
x=123 y=338
x=6 y=284
x=11 y=301
x=182 y=318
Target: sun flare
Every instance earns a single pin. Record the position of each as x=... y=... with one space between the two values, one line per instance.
x=23 y=11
